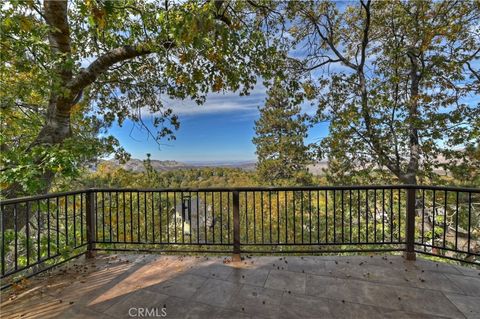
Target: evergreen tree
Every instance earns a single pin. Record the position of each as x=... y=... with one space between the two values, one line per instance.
x=280 y=135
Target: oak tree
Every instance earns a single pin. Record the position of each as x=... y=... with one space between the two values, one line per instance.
x=72 y=68
x=396 y=80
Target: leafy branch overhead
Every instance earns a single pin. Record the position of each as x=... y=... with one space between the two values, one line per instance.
x=396 y=80
x=77 y=67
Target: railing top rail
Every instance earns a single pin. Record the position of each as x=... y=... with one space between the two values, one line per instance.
x=247 y=188
x=447 y=188
x=41 y=196
x=242 y=189
x=287 y=188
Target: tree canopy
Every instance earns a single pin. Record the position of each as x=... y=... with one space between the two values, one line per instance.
x=71 y=69
x=396 y=80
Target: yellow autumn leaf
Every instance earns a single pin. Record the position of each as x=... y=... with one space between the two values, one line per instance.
x=76 y=108
x=218 y=85
x=26 y=24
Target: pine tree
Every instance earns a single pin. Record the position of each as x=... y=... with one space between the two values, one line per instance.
x=280 y=140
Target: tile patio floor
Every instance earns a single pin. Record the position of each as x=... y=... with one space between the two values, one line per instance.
x=258 y=287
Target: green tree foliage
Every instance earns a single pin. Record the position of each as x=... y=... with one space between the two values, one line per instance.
x=107 y=175
x=71 y=69
x=392 y=78
x=280 y=139
x=467 y=170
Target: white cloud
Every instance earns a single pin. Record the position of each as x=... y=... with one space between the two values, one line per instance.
x=217 y=103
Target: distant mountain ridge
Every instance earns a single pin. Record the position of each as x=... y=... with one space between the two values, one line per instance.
x=137 y=165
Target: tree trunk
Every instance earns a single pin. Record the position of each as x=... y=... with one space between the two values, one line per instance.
x=55 y=131
x=57 y=123
x=414 y=141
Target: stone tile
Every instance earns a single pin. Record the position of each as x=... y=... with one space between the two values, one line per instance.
x=103 y=301
x=308 y=265
x=432 y=280
x=356 y=268
x=377 y=260
x=103 y=288
x=469 y=306
x=390 y=261
x=251 y=276
x=327 y=287
x=198 y=311
x=80 y=313
x=216 y=292
x=363 y=270
x=425 y=301
x=373 y=294
x=138 y=299
x=216 y=271
x=183 y=286
x=177 y=307
x=365 y=286
x=269 y=264
x=302 y=306
x=76 y=288
x=424 y=264
x=286 y=281
x=257 y=301
x=468 y=285
x=472 y=271
x=102 y=298
x=230 y=314
x=342 y=310
x=350 y=290
x=263 y=262
x=140 y=278
x=34 y=305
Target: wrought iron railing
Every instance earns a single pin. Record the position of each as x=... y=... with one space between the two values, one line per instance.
x=39 y=232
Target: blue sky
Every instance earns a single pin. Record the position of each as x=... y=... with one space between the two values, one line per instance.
x=220 y=130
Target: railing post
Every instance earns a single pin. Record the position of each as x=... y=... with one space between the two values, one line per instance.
x=410 y=225
x=90 y=221
x=236 y=227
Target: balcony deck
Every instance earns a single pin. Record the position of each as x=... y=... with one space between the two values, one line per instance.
x=259 y=287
